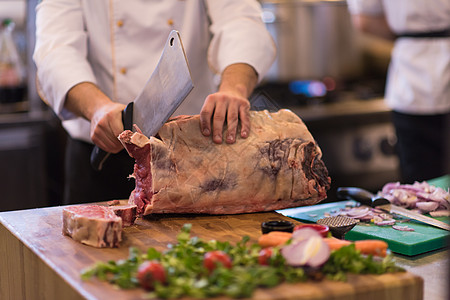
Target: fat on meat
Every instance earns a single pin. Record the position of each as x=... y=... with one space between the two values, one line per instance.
x=181 y=171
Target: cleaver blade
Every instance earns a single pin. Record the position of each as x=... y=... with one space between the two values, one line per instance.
x=167 y=87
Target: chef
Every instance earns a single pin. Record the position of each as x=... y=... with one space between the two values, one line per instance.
x=418 y=85
x=94 y=57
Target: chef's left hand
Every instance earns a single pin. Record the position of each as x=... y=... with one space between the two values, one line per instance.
x=229 y=105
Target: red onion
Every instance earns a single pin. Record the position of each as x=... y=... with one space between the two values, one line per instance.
x=427 y=206
x=440 y=213
x=312 y=251
x=385 y=223
x=402 y=228
x=419 y=195
x=358 y=212
x=304 y=234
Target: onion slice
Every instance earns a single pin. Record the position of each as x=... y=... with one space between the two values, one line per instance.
x=402 y=228
x=385 y=223
x=307 y=249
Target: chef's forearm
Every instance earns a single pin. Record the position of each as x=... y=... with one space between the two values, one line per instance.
x=84 y=99
x=375 y=25
x=239 y=77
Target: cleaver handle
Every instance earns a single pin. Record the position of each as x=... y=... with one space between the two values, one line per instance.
x=99 y=156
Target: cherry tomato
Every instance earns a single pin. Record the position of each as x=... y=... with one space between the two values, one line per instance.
x=264 y=256
x=322 y=229
x=149 y=272
x=214 y=258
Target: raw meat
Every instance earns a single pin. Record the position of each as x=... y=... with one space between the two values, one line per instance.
x=181 y=171
x=128 y=213
x=92 y=225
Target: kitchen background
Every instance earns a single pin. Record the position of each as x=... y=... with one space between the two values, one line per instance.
x=330 y=75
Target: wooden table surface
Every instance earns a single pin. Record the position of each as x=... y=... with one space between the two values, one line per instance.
x=38 y=262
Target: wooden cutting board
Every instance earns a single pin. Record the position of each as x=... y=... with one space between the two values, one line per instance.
x=38 y=262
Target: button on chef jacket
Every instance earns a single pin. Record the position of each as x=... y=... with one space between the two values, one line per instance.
x=419 y=72
x=117 y=44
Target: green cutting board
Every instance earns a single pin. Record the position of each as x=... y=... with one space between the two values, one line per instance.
x=424 y=238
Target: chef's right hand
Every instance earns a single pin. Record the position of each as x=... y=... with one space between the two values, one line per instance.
x=106 y=125
x=88 y=101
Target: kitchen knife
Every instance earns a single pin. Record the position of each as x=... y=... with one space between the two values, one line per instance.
x=367 y=198
x=167 y=87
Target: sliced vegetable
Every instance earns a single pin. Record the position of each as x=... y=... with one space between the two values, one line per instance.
x=306 y=249
x=372 y=247
x=335 y=243
x=403 y=228
x=440 y=213
x=385 y=222
x=366 y=247
x=274 y=238
x=420 y=195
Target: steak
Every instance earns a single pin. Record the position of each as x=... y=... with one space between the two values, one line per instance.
x=93 y=225
x=181 y=171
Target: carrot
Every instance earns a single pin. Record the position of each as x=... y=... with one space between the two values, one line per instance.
x=335 y=243
x=274 y=238
x=373 y=247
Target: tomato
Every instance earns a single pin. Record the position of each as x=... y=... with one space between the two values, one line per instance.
x=149 y=272
x=322 y=229
x=213 y=258
x=264 y=256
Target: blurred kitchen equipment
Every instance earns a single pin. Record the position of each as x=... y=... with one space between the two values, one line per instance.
x=315 y=38
x=12 y=70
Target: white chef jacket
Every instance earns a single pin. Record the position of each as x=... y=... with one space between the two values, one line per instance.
x=418 y=79
x=117 y=44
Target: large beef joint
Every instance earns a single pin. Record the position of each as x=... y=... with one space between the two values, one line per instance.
x=181 y=171
x=93 y=225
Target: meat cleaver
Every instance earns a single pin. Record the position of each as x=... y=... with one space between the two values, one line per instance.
x=367 y=198
x=167 y=87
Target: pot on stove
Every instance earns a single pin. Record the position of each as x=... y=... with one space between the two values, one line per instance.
x=314 y=39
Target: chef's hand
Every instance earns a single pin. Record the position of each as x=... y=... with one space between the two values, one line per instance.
x=225 y=106
x=106 y=125
x=229 y=105
x=86 y=100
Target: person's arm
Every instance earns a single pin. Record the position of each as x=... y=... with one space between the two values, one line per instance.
x=87 y=101
x=230 y=104
x=241 y=51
